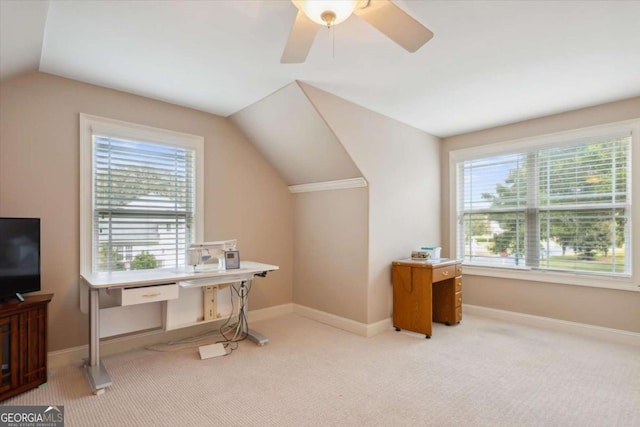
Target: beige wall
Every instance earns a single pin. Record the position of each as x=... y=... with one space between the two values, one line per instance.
x=330 y=227
x=331 y=251
x=401 y=165
x=245 y=198
x=603 y=307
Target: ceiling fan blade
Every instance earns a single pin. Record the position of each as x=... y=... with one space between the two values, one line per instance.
x=300 y=39
x=396 y=24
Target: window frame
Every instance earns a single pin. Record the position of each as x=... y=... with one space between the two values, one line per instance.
x=89 y=125
x=525 y=144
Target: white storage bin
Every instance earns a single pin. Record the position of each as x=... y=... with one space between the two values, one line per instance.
x=433 y=251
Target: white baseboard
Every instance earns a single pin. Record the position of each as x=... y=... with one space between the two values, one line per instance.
x=270 y=312
x=358 y=328
x=66 y=357
x=379 y=327
x=598 y=332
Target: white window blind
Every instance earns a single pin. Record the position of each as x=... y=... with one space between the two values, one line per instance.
x=565 y=207
x=143 y=204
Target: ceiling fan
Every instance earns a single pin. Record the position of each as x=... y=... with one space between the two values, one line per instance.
x=382 y=14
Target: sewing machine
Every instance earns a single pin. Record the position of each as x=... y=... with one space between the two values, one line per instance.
x=209 y=256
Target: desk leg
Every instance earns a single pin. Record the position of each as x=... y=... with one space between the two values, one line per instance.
x=252 y=335
x=97 y=375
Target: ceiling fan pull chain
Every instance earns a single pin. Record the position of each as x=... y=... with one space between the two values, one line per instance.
x=333 y=42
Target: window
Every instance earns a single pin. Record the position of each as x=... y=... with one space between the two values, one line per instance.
x=139 y=196
x=561 y=205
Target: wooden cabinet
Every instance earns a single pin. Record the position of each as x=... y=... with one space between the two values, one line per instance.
x=426 y=292
x=23 y=344
x=412 y=299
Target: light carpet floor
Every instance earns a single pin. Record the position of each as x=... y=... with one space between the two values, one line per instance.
x=479 y=373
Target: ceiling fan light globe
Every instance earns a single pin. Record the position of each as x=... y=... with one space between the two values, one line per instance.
x=321 y=11
x=328 y=17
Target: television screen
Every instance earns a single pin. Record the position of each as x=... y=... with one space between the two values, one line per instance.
x=19 y=256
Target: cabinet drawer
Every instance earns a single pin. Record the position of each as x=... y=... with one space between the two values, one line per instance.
x=458 y=285
x=458 y=314
x=145 y=294
x=458 y=299
x=444 y=273
x=458 y=269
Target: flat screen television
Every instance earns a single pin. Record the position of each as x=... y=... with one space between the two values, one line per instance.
x=19 y=256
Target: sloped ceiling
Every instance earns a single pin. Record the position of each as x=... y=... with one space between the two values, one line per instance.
x=22 y=26
x=294 y=137
x=490 y=62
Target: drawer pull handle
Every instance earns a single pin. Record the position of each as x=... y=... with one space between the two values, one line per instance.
x=151 y=295
x=445 y=273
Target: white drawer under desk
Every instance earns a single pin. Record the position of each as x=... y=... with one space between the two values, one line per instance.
x=145 y=294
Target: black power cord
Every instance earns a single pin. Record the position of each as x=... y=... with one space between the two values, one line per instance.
x=241 y=328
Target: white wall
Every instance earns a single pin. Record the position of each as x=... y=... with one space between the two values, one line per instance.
x=295 y=139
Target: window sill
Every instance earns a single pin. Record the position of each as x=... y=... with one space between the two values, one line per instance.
x=606 y=282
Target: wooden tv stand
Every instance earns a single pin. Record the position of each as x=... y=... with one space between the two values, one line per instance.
x=426 y=291
x=23 y=344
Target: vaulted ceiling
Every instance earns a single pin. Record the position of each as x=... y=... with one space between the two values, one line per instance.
x=489 y=63
x=296 y=139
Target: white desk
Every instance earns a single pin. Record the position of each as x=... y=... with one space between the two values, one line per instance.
x=97 y=375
